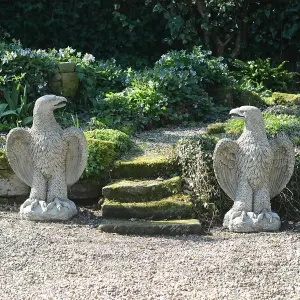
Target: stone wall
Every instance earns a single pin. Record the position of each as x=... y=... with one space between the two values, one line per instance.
x=65 y=82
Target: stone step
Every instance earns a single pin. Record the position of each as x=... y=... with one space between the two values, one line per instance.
x=145 y=166
x=174 y=207
x=142 y=190
x=173 y=227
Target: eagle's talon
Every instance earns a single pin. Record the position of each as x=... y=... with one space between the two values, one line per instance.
x=31 y=201
x=260 y=217
x=251 y=215
x=236 y=214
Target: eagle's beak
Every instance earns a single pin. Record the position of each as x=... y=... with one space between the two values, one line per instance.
x=236 y=114
x=62 y=101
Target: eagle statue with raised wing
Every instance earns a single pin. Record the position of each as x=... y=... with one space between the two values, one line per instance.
x=48 y=159
x=252 y=170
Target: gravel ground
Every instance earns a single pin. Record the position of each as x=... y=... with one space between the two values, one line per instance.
x=72 y=260
x=161 y=140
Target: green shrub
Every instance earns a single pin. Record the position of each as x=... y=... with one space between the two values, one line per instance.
x=195 y=158
x=101 y=156
x=260 y=73
x=30 y=68
x=215 y=128
x=139 y=106
x=120 y=139
x=172 y=92
x=284 y=99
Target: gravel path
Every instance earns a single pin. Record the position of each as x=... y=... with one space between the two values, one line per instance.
x=160 y=141
x=73 y=260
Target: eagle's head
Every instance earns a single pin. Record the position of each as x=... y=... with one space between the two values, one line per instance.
x=48 y=103
x=248 y=113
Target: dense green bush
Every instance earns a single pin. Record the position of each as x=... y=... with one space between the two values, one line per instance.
x=260 y=75
x=177 y=90
x=30 y=68
x=122 y=140
x=174 y=91
x=104 y=147
x=195 y=158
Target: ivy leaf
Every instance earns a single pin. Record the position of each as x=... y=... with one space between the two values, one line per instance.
x=157 y=8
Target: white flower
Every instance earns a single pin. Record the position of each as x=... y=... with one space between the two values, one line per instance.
x=88 y=58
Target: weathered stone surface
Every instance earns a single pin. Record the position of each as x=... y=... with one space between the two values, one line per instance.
x=144 y=167
x=141 y=190
x=173 y=227
x=56 y=77
x=11 y=185
x=253 y=170
x=174 y=207
x=48 y=159
x=70 y=84
x=86 y=189
x=41 y=211
x=56 y=87
x=66 y=67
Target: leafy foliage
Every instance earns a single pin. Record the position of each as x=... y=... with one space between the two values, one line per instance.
x=30 y=68
x=104 y=146
x=195 y=158
x=19 y=114
x=174 y=91
x=122 y=140
x=261 y=75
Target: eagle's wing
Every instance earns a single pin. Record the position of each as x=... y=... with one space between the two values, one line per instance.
x=19 y=154
x=76 y=154
x=225 y=165
x=283 y=164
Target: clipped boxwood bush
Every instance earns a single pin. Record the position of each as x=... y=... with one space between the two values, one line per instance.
x=101 y=156
x=104 y=146
x=283 y=99
x=120 y=139
x=216 y=128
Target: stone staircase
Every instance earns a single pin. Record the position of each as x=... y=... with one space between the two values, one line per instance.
x=143 y=199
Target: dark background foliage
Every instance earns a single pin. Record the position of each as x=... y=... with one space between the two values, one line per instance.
x=130 y=29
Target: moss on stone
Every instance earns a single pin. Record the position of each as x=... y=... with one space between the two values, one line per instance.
x=4 y=165
x=142 y=190
x=171 y=227
x=283 y=99
x=144 y=167
x=87 y=190
x=174 y=207
x=6 y=174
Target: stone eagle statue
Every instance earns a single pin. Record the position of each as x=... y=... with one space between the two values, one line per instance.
x=251 y=171
x=48 y=159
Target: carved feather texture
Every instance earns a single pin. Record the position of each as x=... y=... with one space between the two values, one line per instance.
x=283 y=164
x=225 y=165
x=19 y=154
x=76 y=154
